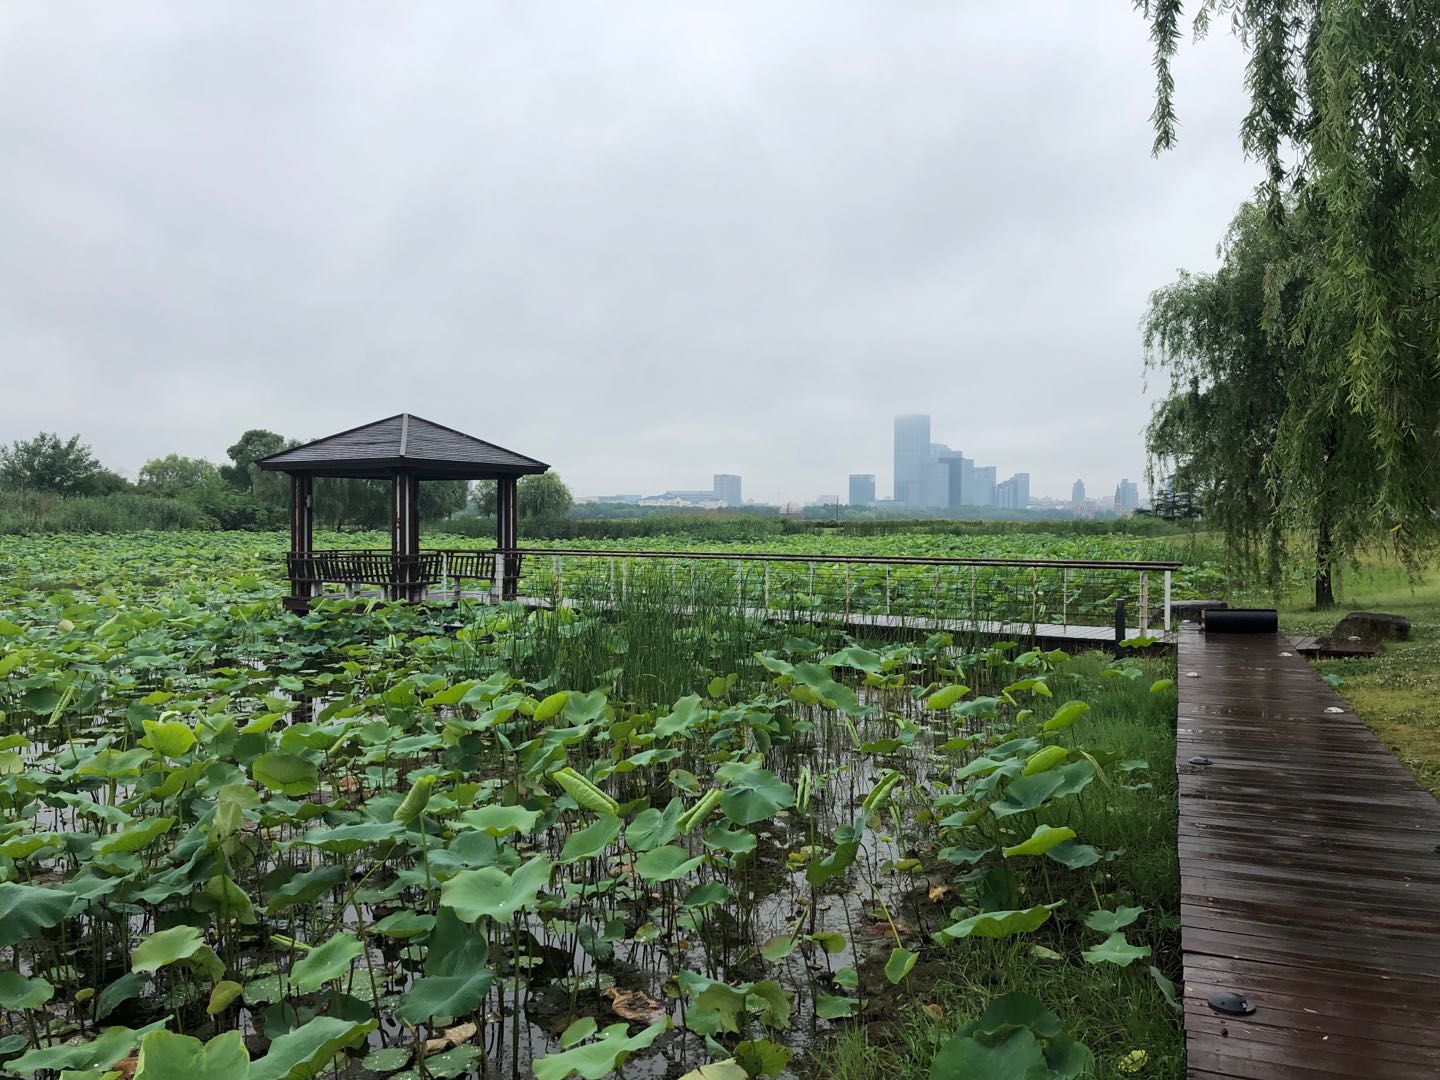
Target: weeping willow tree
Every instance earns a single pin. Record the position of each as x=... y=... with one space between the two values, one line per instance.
x=1247 y=423
x=1344 y=101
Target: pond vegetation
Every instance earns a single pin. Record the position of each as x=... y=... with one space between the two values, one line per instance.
x=660 y=838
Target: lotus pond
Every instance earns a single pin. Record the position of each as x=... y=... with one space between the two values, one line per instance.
x=658 y=840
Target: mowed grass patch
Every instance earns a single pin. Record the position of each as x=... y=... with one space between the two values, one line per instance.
x=1395 y=692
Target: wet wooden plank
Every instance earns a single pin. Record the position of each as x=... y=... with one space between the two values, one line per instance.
x=1310 y=877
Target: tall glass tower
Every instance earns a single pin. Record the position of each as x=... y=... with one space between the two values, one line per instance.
x=912 y=458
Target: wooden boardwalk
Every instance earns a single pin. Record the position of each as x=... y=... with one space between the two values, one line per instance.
x=1310 y=875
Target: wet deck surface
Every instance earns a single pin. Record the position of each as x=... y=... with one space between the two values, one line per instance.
x=1310 y=875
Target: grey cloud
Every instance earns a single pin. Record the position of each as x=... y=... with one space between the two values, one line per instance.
x=643 y=241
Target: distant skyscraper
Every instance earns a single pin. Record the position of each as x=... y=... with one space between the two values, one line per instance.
x=937 y=477
x=912 y=459
x=1014 y=494
x=862 y=489
x=984 y=493
x=962 y=479
x=727 y=487
x=1127 y=497
x=1077 y=494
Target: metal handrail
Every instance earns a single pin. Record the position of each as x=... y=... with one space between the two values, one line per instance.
x=874 y=560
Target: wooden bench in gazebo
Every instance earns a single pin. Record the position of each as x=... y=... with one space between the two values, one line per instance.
x=405 y=450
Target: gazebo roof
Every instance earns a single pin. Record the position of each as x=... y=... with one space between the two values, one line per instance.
x=403 y=443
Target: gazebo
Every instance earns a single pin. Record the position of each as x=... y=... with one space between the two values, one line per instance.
x=405 y=450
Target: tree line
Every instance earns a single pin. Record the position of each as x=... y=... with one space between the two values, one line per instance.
x=179 y=491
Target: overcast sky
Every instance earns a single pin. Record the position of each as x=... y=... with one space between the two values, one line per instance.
x=644 y=242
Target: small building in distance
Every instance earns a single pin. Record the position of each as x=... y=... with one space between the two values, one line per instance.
x=727 y=487
x=703 y=500
x=1127 y=497
x=862 y=489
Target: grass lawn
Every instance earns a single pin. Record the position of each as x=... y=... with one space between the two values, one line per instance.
x=1394 y=693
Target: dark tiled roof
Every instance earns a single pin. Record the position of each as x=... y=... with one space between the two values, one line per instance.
x=403 y=441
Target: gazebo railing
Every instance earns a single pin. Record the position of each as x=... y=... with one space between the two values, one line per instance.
x=397 y=576
x=888 y=590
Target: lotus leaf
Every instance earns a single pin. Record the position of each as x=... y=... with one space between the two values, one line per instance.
x=325 y=962
x=289 y=774
x=1041 y=841
x=305 y=1052
x=166 y=1056
x=1115 y=950
x=1018 y=1054
x=1073 y=855
x=728 y=1069
x=166 y=947
x=491 y=892
x=666 y=864
x=900 y=964
x=598 y=1059
x=591 y=840
x=499 y=820
x=755 y=794
x=18 y=992
x=946 y=697
x=834 y=1007
x=653 y=827
x=687 y=713
x=1027 y=793
x=443 y=998
x=1108 y=922
x=105 y=1050
x=1066 y=715
x=25 y=910
x=998 y=924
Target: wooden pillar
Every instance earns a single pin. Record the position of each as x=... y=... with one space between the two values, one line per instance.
x=405 y=536
x=302 y=541
x=507 y=536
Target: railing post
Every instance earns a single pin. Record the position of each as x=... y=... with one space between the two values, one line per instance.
x=847 y=590
x=1065 y=596
x=1034 y=599
x=766 y=604
x=1167 y=601
x=887 y=588
x=1144 y=601
x=612 y=579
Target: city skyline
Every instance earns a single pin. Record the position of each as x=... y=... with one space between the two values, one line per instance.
x=925 y=475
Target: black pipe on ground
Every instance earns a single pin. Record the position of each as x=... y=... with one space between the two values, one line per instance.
x=1240 y=621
